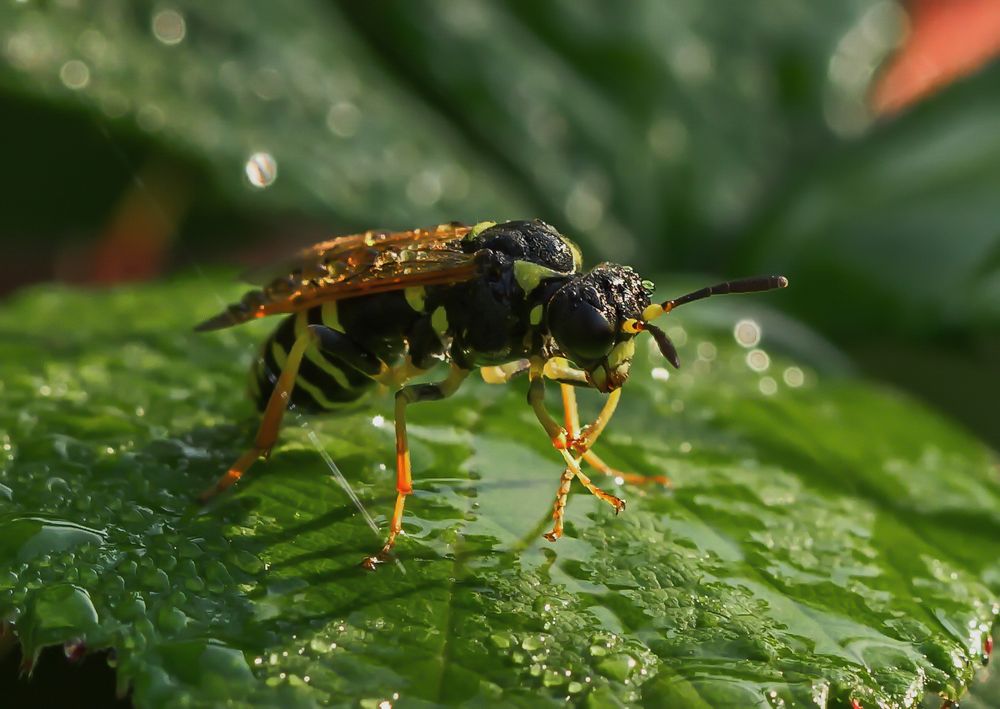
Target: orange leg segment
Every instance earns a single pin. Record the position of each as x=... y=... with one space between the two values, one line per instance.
x=404 y=478
x=267 y=433
x=571 y=438
x=590 y=436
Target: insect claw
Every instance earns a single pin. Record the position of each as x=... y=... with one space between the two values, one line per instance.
x=371 y=562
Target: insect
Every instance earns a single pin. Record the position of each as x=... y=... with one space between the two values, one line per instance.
x=508 y=299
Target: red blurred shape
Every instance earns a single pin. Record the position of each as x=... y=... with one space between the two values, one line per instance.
x=948 y=39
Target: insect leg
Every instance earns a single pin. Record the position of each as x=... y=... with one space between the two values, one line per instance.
x=267 y=433
x=503 y=373
x=410 y=394
x=536 y=399
x=561 y=440
x=584 y=444
x=559 y=508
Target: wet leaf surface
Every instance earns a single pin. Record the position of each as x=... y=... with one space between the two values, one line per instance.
x=825 y=539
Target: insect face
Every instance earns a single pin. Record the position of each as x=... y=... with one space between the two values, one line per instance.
x=585 y=318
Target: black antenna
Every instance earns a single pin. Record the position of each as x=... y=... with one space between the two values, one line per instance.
x=667 y=348
x=744 y=285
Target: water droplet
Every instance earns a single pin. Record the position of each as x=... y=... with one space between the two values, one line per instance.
x=768 y=387
x=707 y=351
x=261 y=169
x=75 y=74
x=169 y=27
x=378 y=421
x=660 y=374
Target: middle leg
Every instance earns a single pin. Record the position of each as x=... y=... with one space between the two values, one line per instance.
x=410 y=394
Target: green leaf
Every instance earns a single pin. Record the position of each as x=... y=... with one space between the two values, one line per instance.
x=898 y=234
x=289 y=80
x=825 y=539
x=652 y=129
x=658 y=124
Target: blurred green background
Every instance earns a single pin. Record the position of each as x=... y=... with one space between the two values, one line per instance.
x=681 y=136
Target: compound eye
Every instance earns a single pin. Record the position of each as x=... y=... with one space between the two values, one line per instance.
x=582 y=332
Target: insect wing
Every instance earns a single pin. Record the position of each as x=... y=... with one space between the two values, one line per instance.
x=358 y=264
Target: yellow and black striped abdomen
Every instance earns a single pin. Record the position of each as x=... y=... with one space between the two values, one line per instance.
x=325 y=382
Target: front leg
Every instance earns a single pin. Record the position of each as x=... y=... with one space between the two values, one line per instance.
x=582 y=441
x=562 y=440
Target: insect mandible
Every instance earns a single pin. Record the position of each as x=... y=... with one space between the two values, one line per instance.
x=506 y=298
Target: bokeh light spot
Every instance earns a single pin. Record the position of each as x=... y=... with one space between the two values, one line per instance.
x=74 y=74
x=661 y=374
x=261 y=169
x=758 y=360
x=768 y=387
x=794 y=377
x=747 y=333
x=169 y=27
x=343 y=119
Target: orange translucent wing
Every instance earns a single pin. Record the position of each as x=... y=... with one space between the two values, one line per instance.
x=354 y=265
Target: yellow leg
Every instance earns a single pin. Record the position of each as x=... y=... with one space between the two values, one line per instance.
x=560 y=505
x=404 y=479
x=578 y=442
x=267 y=433
x=570 y=438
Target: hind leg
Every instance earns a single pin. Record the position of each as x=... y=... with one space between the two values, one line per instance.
x=330 y=342
x=267 y=433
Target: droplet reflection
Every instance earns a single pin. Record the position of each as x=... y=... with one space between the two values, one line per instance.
x=261 y=170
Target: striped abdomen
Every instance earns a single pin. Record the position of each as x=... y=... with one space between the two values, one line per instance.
x=323 y=383
x=379 y=329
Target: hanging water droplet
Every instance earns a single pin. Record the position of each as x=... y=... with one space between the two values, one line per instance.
x=261 y=170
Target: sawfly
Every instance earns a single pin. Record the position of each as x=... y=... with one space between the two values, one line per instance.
x=505 y=298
